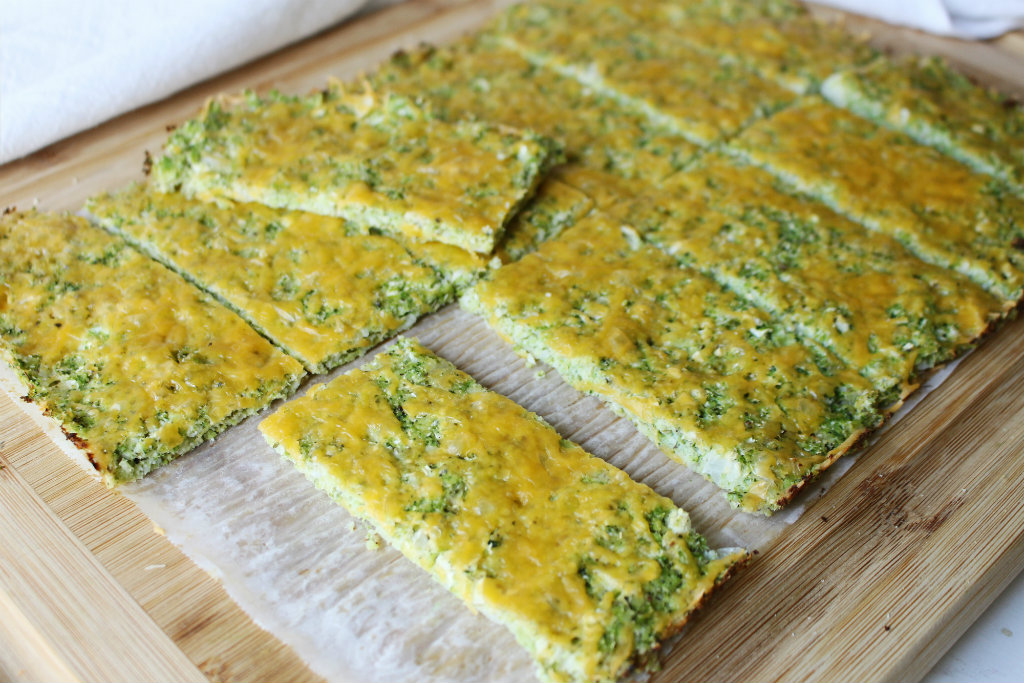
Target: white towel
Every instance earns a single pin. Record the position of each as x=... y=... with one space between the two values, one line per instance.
x=959 y=18
x=67 y=65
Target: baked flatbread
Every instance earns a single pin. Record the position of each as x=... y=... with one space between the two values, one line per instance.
x=587 y=568
x=136 y=365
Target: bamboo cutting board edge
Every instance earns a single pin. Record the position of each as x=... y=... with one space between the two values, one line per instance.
x=66 y=490
x=187 y=604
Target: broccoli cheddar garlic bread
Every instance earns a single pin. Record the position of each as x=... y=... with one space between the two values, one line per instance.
x=712 y=380
x=135 y=364
x=588 y=569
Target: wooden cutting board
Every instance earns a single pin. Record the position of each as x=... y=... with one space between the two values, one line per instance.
x=874 y=582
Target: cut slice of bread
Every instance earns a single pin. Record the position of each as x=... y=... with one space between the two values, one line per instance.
x=859 y=293
x=938 y=208
x=588 y=569
x=700 y=97
x=136 y=365
x=477 y=78
x=717 y=383
x=929 y=101
x=317 y=286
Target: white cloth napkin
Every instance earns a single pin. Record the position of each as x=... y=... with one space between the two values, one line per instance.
x=66 y=65
x=959 y=18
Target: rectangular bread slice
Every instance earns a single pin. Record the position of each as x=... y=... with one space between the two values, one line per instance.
x=702 y=98
x=934 y=104
x=136 y=365
x=716 y=383
x=556 y=207
x=376 y=160
x=778 y=41
x=587 y=568
x=941 y=210
x=312 y=284
x=477 y=78
x=860 y=294
x=798 y=53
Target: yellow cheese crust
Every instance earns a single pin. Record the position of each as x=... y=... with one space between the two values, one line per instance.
x=137 y=365
x=929 y=101
x=700 y=97
x=798 y=53
x=886 y=313
x=321 y=294
x=775 y=41
x=587 y=568
x=477 y=78
x=378 y=161
x=940 y=209
x=714 y=382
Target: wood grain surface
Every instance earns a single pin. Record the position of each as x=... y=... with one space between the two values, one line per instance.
x=874 y=582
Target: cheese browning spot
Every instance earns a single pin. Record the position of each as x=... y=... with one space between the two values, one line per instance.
x=586 y=567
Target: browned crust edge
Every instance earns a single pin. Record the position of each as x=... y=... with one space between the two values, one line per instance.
x=641 y=660
x=1009 y=312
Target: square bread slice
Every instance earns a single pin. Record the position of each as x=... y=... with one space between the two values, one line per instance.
x=860 y=294
x=587 y=568
x=477 y=78
x=312 y=284
x=136 y=365
x=934 y=104
x=702 y=98
x=940 y=209
x=716 y=383
x=375 y=160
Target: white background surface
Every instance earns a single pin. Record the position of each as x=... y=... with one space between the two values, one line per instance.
x=992 y=650
x=959 y=18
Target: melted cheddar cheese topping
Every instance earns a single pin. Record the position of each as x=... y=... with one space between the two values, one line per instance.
x=311 y=283
x=940 y=209
x=716 y=383
x=798 y=53
x=777 y=41
x=136 y=362
x=587 y=568
x=478 y=79
x=381 y=162
x=926 y=99
x=701 y=97
x=886 y=313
